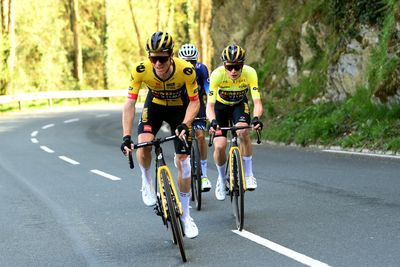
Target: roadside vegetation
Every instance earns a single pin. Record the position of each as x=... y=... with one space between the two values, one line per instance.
x=357 y=122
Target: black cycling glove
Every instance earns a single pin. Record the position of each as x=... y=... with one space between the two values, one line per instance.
x=182 y=127
x=256 y=121
x=214 y=124
x=126 y=143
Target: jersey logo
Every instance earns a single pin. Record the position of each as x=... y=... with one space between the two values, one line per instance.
x=188 y=71
x=255 y=88
x=140 y=68
x=211 y=93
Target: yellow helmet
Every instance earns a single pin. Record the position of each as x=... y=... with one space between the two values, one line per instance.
x=160 y=42
x=233 y=53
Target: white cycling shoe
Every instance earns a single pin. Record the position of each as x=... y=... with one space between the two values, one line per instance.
x=220 y=190
x=189 y=227
x=251 y=183
x=205 y=184
x=148 y=194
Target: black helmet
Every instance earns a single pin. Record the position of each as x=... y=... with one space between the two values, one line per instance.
x=233 y=53
x=160 y=42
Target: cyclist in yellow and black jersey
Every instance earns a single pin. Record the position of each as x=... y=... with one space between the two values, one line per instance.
x=169 y=92
x=231 y=92
x=227 y=101
x=172 y=98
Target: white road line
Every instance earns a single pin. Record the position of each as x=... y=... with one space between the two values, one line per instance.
x=362 y=154
x=48 y=126
x=281 y=249
x=73 y=162
x=48 y=150
x=71 y=120
x=102 y=115
x=106 y=175
x=34 y=133
x=34 y=140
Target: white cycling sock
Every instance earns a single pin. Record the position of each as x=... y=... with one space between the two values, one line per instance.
x=221 y=172
x=146 y=177
x=248 y=166
x=204 y=167
x=184 y=198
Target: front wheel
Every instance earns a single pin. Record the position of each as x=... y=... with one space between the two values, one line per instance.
x=237 y=193
x=173 y=214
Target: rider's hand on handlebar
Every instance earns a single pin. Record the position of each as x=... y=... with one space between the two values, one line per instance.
x=126 y=145
x=214 y=125
x=257 y=124
x=182 y=130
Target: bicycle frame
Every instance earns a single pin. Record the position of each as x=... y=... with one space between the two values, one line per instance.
x=168 y=204
x=237 y=181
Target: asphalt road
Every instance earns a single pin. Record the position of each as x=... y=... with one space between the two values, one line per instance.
x=68 y=198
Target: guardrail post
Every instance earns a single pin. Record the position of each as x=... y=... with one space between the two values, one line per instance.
x=20 y=105
x=50 y=102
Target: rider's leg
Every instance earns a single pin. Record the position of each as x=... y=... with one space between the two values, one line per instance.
x=203 y=150
x=220 y=144
x=144 y=156
x=184 y=179
x=246 y=149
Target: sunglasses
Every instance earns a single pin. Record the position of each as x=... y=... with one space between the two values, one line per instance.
x=236 y=67
x=161 y=59
x=193 y=62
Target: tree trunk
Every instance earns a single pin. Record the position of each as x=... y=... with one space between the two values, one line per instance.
x=205 y=47
x=7 y=44
x=140 y=45
x=170 y=18
x=105 y=47
x=78 y=65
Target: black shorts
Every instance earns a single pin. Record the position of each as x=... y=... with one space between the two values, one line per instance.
x=153 y=115
x=236 y=113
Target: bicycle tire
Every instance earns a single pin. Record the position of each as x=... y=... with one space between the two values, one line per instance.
x=173 y=214
x=237 y=188
x=196 y=174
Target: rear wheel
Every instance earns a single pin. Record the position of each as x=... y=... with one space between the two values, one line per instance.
x=196 y=173
x=237 y=189
x=173 y=214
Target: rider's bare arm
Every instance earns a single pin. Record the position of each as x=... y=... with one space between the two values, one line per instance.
x=128 y=114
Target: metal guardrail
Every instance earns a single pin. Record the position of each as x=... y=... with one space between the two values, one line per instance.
x=65 y=95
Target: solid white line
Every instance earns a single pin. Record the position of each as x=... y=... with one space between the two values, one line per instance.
x=281 y=249
x=102 y=115
x=71 y=120
x=34 y=140
x=73 y=162
x=34 y=133
x=362 y=154
x=48 y=126
x=106 y=175
x=48 y=150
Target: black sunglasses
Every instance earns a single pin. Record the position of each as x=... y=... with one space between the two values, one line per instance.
x=193 y=62
x=161 y=59
x=236 y=67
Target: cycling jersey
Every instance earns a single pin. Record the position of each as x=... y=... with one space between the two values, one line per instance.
x=204 y=87
x=169 y=92
x=202 y=78
x=230 y=92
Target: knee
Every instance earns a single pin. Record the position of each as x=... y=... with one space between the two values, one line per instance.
x=199 y=135
x=186 y=167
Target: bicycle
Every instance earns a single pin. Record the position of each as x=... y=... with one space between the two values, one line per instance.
x=196 y=168
x=235 y=172
x=168 y=205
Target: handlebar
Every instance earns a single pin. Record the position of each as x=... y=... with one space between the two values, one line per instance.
x=157 y=142
x=234 y=129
